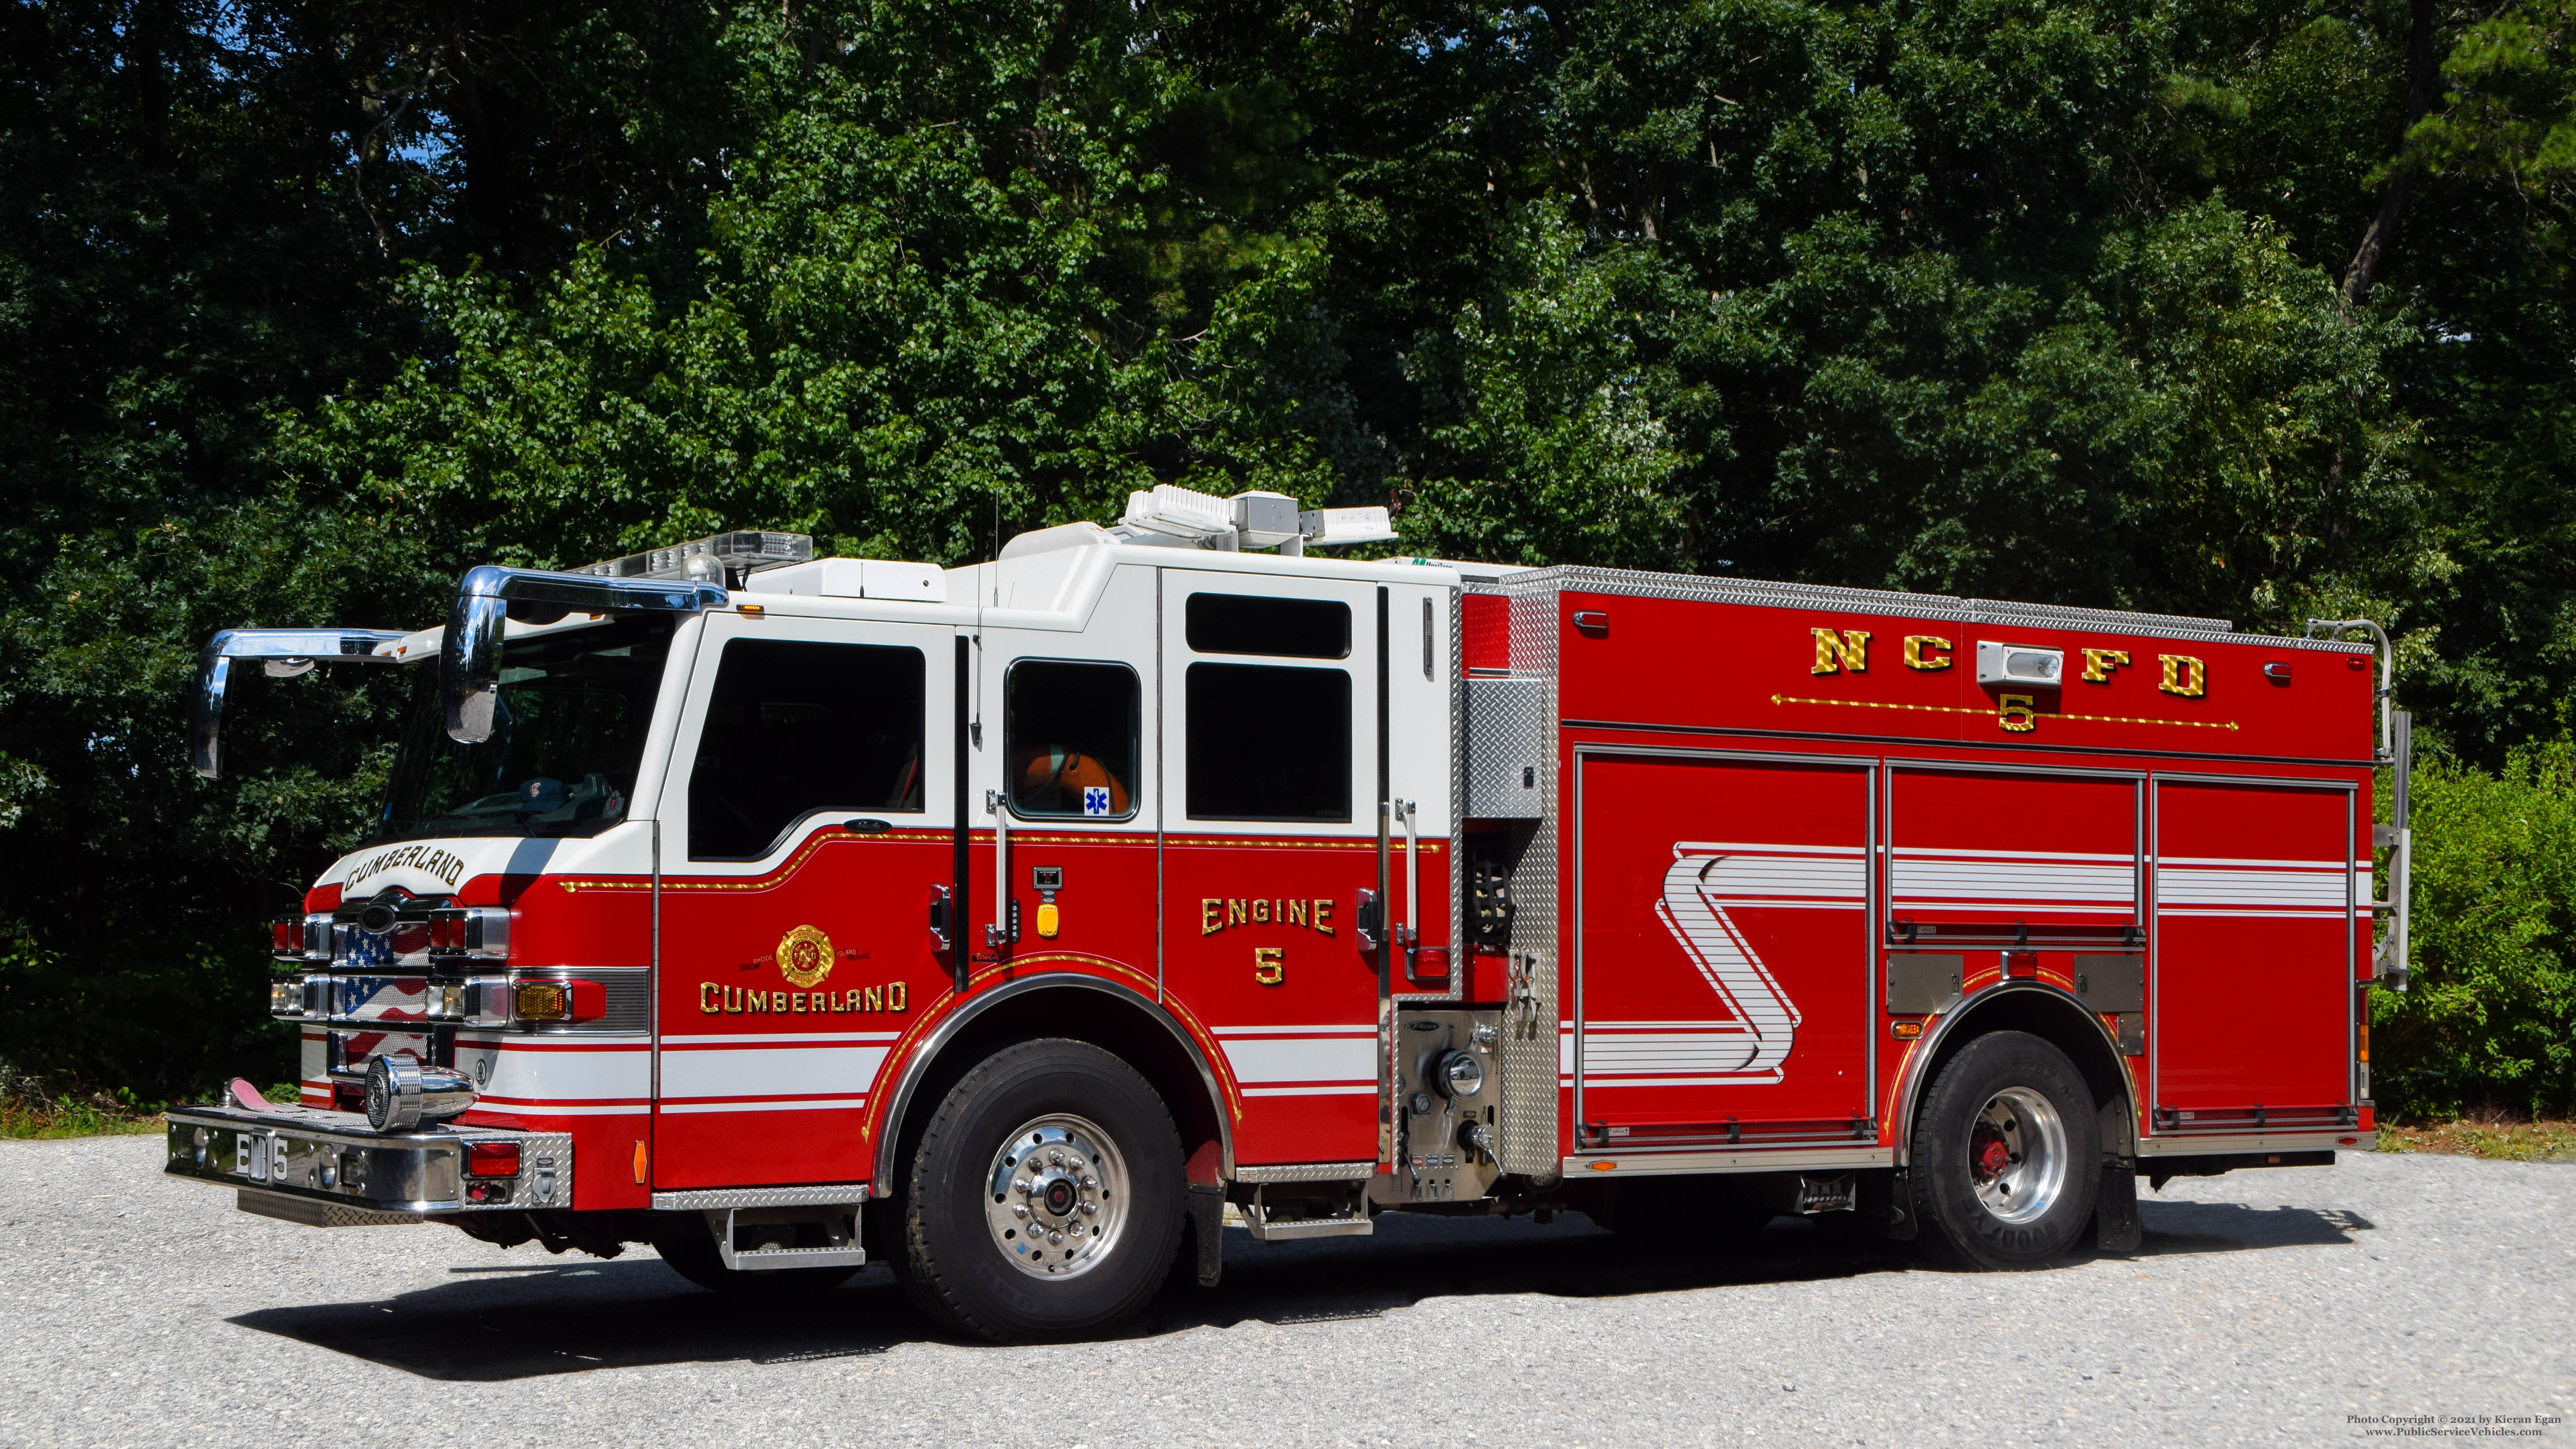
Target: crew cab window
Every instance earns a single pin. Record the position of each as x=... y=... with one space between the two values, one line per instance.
x=1070 y=729
x=1254 y=624
x=795 y=728
x=1268 y=742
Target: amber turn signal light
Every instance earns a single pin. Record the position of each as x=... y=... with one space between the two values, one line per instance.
x=541 y=1001
x=1905 y=1030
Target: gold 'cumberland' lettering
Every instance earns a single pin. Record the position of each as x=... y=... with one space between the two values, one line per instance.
x=1838 y=652
x=1918 y=653
x=716 y=999
x=1216 y=913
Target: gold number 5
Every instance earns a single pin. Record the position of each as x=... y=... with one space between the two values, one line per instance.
x=1268 y=964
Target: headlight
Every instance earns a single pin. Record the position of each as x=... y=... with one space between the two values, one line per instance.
x=286 y=997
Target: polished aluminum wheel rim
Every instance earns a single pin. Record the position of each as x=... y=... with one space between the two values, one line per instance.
x=2017 y=1155
x=1058 y=1197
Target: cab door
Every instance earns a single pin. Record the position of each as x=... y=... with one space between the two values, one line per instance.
x=808 y=819
x=1294 y=713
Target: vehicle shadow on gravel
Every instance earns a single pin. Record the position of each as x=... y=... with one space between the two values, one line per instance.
x=534 y=1316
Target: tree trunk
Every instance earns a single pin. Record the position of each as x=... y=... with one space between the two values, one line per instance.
x=2370 y=261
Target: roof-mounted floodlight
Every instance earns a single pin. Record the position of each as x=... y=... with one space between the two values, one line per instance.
x=721 y=559
x=1335 y=527
x=1181 y=515
x=469 y=657
x=288 y=652
x=1186 y=518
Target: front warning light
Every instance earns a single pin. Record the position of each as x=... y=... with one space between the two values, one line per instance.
x=286 y=939
x=541 y=1001
x=557 y=1000
x=492 y=1159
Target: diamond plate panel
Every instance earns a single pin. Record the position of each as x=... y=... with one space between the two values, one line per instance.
x=1640 y=584
x=701 y=1199
x=1509 y=745
x=1532 y=1020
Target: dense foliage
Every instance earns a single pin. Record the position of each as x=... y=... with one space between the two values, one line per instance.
x=2257 y=310
x=2490 y=1018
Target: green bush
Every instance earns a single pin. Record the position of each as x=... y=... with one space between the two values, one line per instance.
x=2490 y=1019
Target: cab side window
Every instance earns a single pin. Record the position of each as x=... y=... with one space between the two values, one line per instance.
x=1269 y=742
x=794 y=728
x=1070 y=730
x=1253 y=624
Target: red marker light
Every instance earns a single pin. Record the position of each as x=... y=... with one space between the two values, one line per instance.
x=492 y=1159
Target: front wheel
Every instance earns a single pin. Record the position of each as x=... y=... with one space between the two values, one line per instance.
x=1045 y=1198
x=2007 y=1152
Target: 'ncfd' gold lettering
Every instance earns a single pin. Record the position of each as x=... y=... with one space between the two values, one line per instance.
x=1846 y=650
x=2183 y=675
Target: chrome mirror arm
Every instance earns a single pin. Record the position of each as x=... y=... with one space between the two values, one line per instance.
x=290 y=652
x=469 y=657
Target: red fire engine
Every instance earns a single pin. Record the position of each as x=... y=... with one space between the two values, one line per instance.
x=1009 y=922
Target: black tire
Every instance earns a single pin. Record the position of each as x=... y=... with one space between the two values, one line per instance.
x=955 y=1260
x=691 y=1251
x=1985 y=1132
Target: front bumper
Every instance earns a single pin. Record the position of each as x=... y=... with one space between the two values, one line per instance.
x=335 y=1160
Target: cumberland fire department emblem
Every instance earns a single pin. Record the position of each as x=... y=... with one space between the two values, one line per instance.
x=805 y=956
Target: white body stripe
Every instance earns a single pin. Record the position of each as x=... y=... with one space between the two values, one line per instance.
x=804 y=1105
x=769 y=1071
x=1703 y=885
x=535 y=1079
x=1342 y=1059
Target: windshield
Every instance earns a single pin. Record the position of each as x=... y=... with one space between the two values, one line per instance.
x=567 y=733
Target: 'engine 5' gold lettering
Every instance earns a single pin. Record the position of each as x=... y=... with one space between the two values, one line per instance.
x=1216 y=913
x=716 y=999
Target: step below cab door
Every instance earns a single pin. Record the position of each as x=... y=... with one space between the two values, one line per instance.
x=809 y=818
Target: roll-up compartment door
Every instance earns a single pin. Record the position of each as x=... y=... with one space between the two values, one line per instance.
x=2012 y=859
x=1723 y=950
x=2252 y=977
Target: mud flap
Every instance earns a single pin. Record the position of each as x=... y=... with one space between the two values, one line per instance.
x=1886 y=1205
x=1206 y=1203
x=2116 y=1228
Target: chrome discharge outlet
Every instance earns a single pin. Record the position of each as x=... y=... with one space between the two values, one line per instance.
x=402 y=1094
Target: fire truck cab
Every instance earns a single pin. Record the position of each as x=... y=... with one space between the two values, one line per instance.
x=1010 y=922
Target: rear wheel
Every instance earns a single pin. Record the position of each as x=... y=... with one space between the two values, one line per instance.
x=2007 y=1152
x=1045 y=1198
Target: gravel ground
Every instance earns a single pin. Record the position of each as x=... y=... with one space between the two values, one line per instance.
x=2266 y=1306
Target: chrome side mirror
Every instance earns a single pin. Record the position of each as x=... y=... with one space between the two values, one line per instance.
x=469 y=660
x=469 y=663
x=289 y=652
